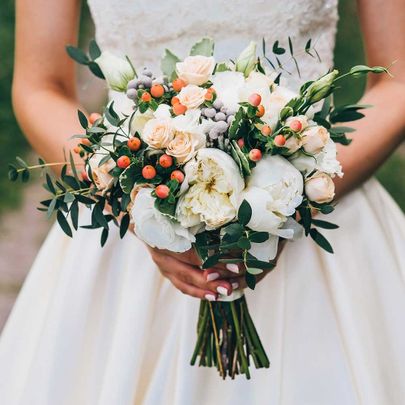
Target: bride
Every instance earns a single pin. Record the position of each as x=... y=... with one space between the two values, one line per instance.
x=104 y=326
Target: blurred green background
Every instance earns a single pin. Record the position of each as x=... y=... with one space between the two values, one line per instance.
x=348 y=52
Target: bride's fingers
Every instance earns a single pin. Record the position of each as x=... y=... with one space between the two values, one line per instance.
x=193 y=291
x=217 y=273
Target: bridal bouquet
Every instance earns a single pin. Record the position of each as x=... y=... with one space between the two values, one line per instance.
x=219 y=157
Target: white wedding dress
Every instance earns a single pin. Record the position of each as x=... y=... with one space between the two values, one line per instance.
x=97 y=326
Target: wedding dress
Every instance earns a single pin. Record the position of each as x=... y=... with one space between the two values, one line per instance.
x=97 y=326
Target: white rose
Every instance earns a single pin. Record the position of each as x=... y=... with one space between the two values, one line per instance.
x=274 y=190
x=117 y=71
x=228 y=85
x=293 y=143
x=158 y=132
x=101 y=174
x=320 y=188
x=156 y=229
x=212 y=187
x=314 y=139
x=192 y=96
x=188 y=137
x=277 y=100
x=325 y=161
x=195 y=69
x=139 y=120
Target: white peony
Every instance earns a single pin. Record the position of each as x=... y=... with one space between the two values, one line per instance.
x=192 y=96
x=196 y=69
x=325 y=161
x=228 y=85
x=320 y=188
x=101 y=173
x=273 y=106
x=210 y=191
x=117 y=71
x=156 y=229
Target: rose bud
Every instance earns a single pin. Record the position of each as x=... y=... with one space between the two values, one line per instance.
x=177 y=175
x=255 y=99
x=165 y=161
x=255 y=155
x=148 y=172
x=94 y=117
x=266 y=130
x=162 y=191
x=279 y=140
x=320 y=188
x=123 y=162
x=314 y=139
x=134 y=144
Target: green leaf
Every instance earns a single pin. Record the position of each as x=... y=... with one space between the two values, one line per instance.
x=12 y=173
x=25 y=175
x=51 y=207
x=320 y=240
x=204 y=47
x=324 y=224
x=98 y=216
x=326 y=209
x=82 y=119
x=50 y=184
x=94 y=49
x=168 y=64
x=254 y=271
x=244 y=213
x=222 y=67
x=69 y=197
x=250 y=280
x=127 y=178
x=104 y=237
x=260 y=264
x=95 y=69
x=74 y=213
x=258 y=237
x=64 y=223
x=278 y=50
x=124 y=225
x=211 y=261
x=21 y=162
x=77 y=54
x=244 y=243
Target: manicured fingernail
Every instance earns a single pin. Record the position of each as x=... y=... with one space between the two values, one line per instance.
x=222 y=290
x=235 y=285
x=232 y=267
x=210 y=297
x=212 y=276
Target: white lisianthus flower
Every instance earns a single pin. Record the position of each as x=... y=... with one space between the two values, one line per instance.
x=212 y=187
x=320 y=188
x=325 y=161
x=156 y=229
x=196 y=69
x=227 y=85
x=314 y=138
x=188 y=136
x=101 y=173
x=192 y=96
x=117 y=71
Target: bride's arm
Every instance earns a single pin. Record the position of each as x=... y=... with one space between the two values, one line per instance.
x=383 y=128
x=44 y=93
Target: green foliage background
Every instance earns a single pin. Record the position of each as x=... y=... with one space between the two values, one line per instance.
x=349 y=51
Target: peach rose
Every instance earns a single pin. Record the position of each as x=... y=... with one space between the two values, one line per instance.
x=192 y=96
x=314 y=139
x=158 y=132
x=320 y=188
x=195 y=69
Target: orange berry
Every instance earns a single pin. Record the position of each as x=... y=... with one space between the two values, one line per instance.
x=134 y=144
x=94 y=117
x=85 y=141
x=174 y=100
x=148 y=172
x=146 y=97
x=255 y=99
x=77 y=149
x=279 y=140
x=178 y=84
x=208 y=96
x=179 y=109
x=123 y=162
x=177 y=175
x=211 y=90
x=241 y=142
x=162 y=191
x=165 y=161
x=266 y=130
x=157 y=90
x=260 y=111
x=296 y=125
x=255 y=155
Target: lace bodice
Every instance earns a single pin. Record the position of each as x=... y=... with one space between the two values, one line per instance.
x=143 y=29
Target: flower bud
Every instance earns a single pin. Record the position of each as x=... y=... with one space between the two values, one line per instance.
x=246 y=61
x=321 y=87
x=117 y=71
x=320 y=188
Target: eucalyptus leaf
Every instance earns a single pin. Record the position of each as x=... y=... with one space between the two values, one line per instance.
x=204 y=47
x=168 y=64
x=320 y=240
x=64 y=223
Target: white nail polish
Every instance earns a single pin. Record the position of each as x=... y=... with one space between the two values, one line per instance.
x=212 y=276
x=210 y=297
x=222 y=290
x=232 y=267
x=235 y=285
